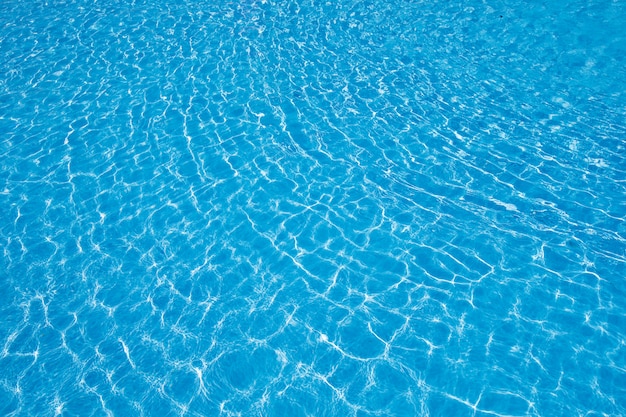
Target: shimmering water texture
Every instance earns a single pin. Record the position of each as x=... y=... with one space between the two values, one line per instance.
x=309 y=208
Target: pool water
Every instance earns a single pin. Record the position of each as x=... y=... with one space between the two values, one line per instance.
x=309 y=208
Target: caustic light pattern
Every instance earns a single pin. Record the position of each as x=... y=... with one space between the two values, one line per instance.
x=309 y=208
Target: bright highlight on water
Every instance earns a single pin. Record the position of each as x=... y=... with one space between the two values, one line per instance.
x=309 y=208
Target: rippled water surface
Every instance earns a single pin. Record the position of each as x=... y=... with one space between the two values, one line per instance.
x=309 y=208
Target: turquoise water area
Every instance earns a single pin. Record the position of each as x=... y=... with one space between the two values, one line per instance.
x=310 y=208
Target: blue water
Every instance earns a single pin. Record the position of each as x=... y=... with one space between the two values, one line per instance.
x=309 y=208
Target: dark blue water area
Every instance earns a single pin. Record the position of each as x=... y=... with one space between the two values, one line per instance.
x=308 y=208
